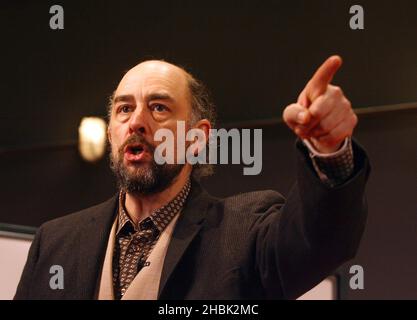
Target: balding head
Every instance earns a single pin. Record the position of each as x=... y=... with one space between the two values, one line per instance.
x=156 y=77
x=194 y=90
x=156 y=95
x=159 y=67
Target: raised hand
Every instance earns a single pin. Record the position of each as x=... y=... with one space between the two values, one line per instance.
x=322 y=114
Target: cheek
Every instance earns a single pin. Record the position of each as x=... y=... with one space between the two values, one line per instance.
x=171 y=126
x=178 y=141
x=115 y=138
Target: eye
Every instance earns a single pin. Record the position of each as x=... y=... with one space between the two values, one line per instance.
x=124 y=108
x=158 y=107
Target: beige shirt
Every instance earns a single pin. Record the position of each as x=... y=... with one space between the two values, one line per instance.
x=145 y=285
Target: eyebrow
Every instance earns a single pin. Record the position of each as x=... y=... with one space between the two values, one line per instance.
x=150 y=97
x=159 y=96
x=123 y=98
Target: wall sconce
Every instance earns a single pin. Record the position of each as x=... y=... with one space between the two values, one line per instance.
x=92 y=138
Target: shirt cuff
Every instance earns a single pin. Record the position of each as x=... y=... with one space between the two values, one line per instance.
x=333 y=168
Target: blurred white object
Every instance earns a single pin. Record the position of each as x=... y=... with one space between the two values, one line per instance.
x=13 y=254
x=92 y=138
x=325 y=290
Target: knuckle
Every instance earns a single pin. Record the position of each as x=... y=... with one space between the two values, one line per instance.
x=351 y=117
x=337 y=91
x=346 y=104
x=316 y=111
x=313 y=111
x=354 y=119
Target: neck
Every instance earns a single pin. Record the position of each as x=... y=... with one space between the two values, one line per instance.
x=140 y=207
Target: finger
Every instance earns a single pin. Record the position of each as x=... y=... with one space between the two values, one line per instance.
x=304 y=130
x=325 y=127
x=322 y=78
x=318 y=110
x=296 y=114
x=329 y=108
x=336 y=115
x=339 y=133
x=303 y=100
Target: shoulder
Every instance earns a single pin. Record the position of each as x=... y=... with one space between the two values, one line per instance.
x=236 y=220
x=70 y=221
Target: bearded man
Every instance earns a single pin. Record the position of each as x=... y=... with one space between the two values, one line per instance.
x=162 y=236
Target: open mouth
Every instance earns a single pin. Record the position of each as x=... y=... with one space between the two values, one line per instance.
x=135 y=149
x=134 y=152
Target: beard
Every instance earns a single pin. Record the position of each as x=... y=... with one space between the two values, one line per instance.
x=144 y=178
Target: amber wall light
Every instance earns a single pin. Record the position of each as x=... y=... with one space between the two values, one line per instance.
x=92 y=138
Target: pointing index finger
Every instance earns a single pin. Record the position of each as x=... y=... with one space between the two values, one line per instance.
x=322 y=77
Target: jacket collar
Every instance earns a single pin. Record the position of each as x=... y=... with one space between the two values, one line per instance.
x=94 y=237
x=96 y=231
x=189 y=224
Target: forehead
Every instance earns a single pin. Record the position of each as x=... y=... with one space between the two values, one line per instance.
x=154 y=77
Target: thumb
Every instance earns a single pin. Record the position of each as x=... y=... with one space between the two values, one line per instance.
x=296 y=114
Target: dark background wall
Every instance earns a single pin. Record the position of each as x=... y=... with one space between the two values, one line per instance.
x=255 y=58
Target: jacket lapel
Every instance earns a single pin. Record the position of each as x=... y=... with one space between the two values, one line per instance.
x=189 y=224
x=95 y=234
x=93 y=243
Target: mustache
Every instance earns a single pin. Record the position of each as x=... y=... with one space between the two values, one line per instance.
x=135 y=138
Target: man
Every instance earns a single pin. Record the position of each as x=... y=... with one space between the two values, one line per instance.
x=163 y=237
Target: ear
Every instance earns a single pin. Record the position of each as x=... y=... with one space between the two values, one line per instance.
x=204 y=125
x=108 y=133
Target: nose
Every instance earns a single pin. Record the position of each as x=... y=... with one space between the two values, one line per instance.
x=138 y=121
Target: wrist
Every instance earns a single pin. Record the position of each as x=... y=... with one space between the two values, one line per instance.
x=315 y=152
x=325 y=149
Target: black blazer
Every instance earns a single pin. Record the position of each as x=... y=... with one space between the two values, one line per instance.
x=255 y=245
